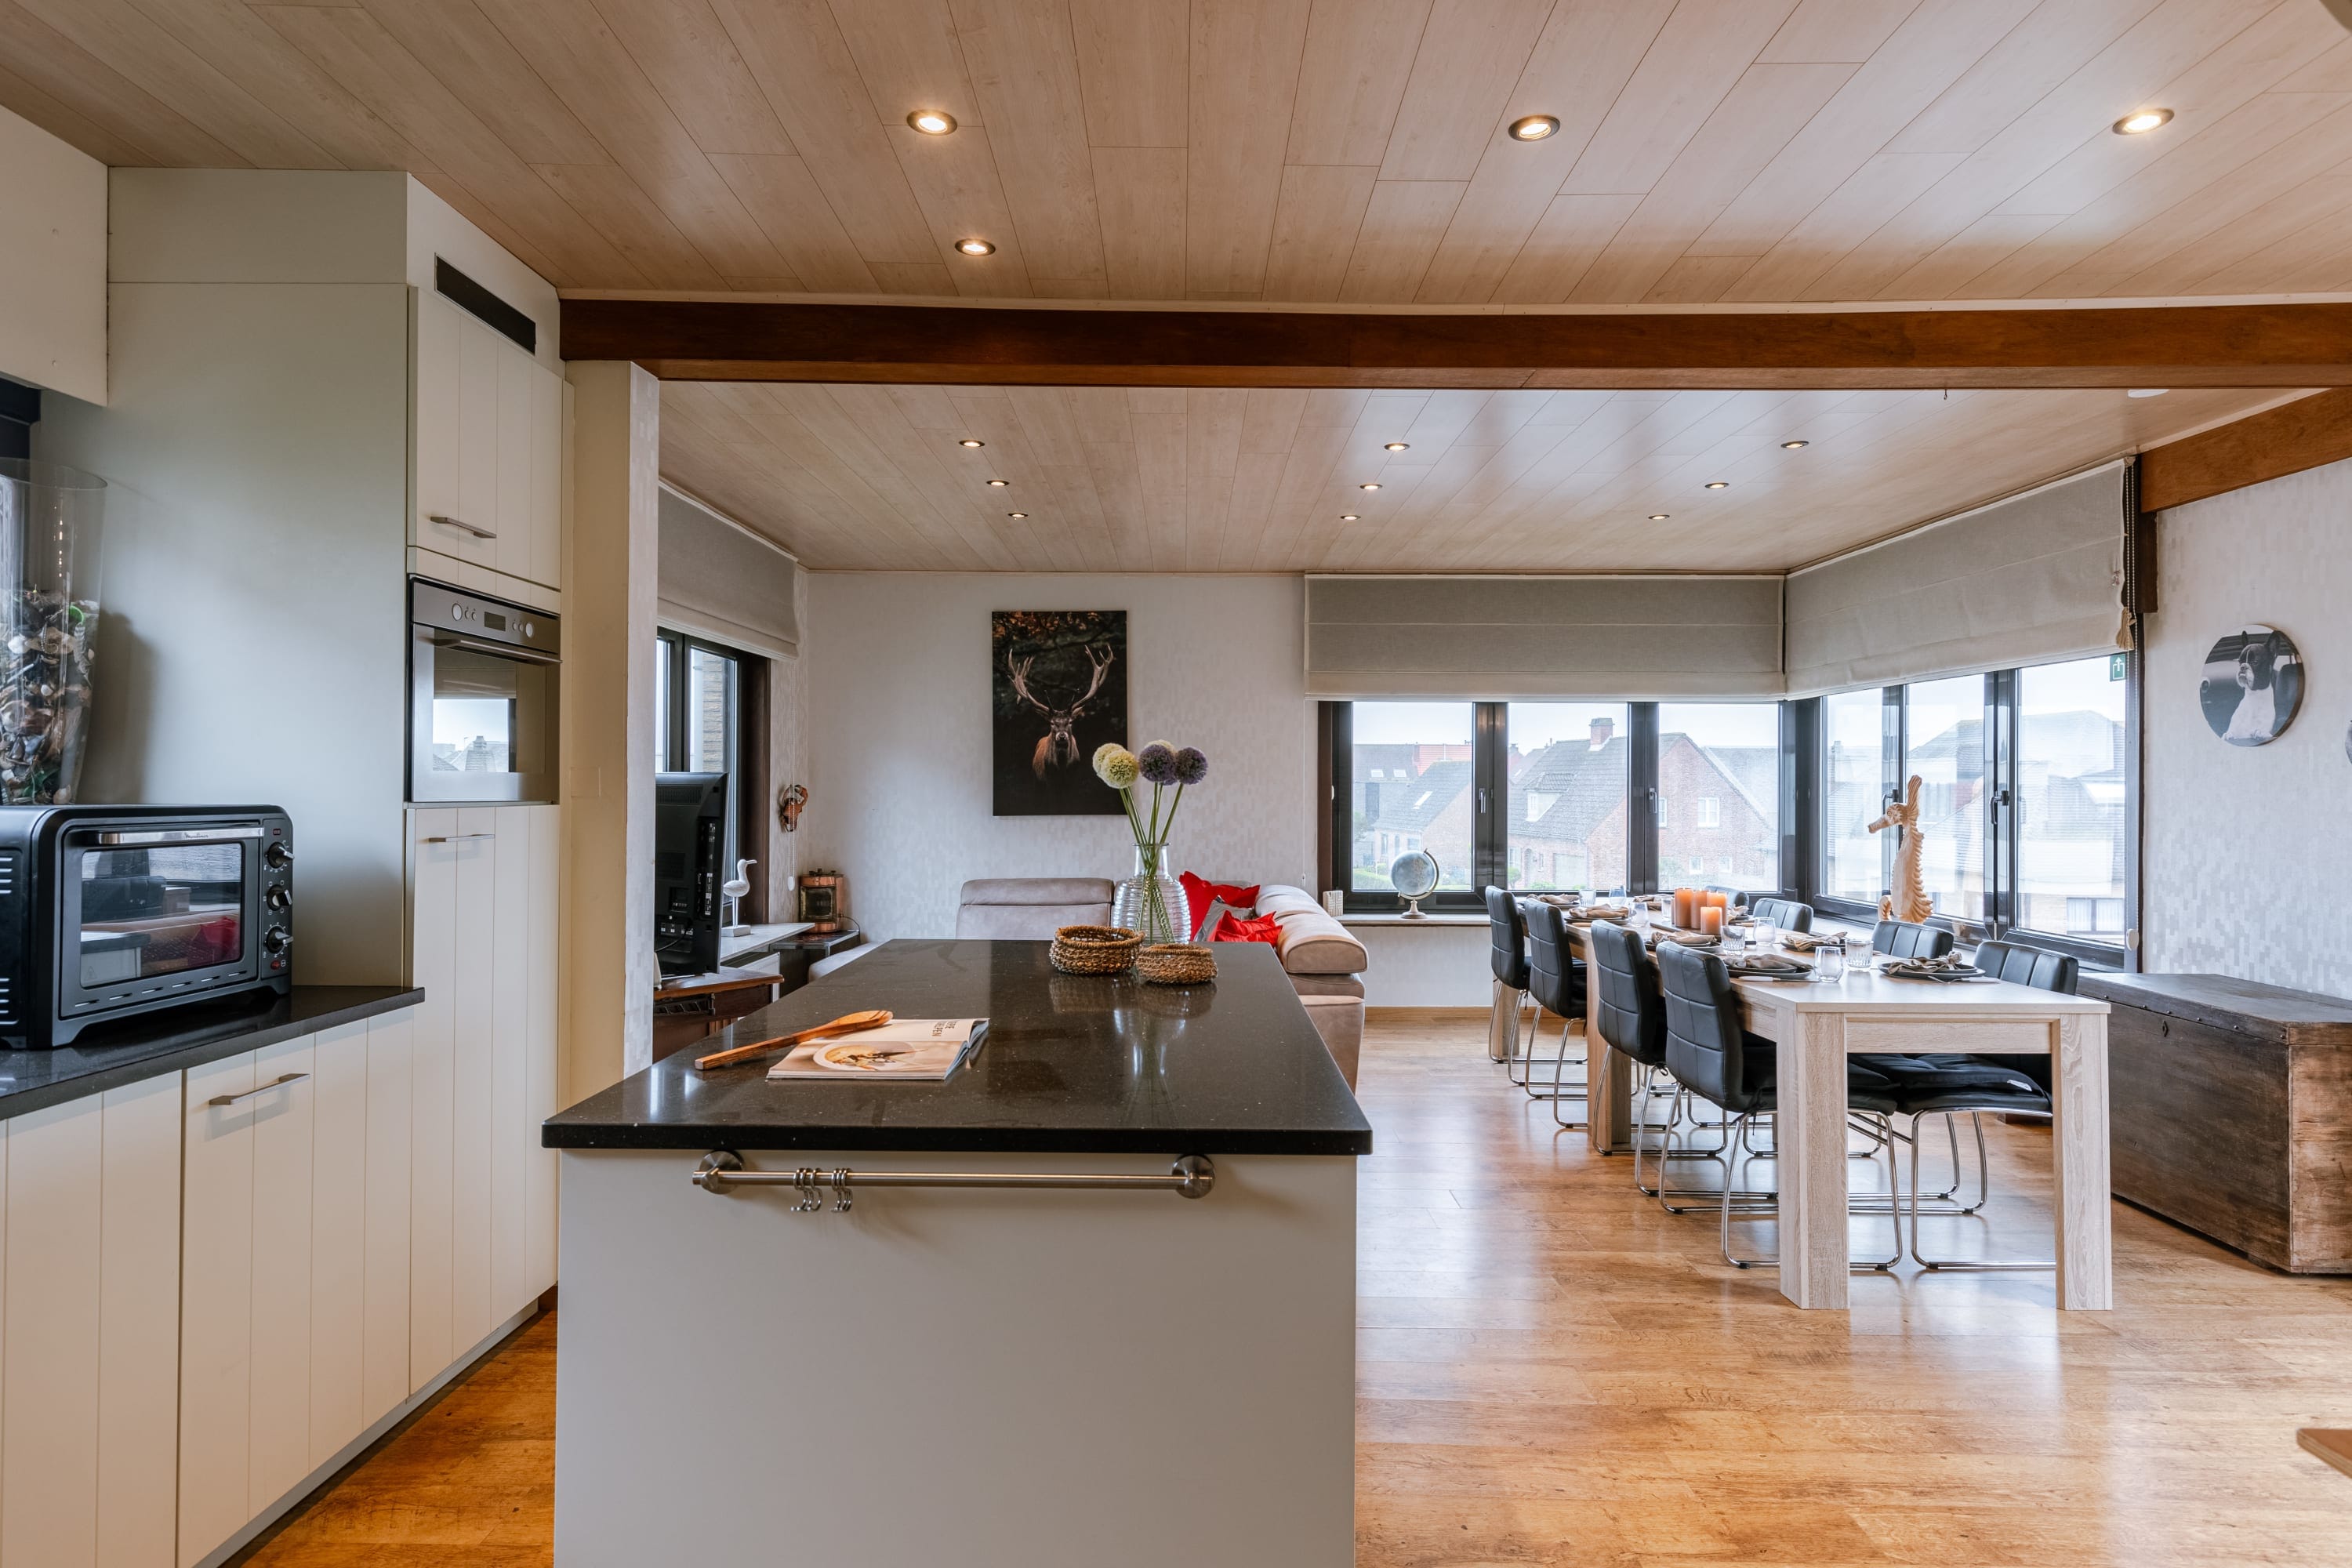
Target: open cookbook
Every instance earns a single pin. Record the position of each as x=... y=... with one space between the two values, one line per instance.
x=918 y=1049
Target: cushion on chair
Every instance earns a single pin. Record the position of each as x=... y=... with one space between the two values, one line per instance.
x=1867 y=1087
x=1943 y=1082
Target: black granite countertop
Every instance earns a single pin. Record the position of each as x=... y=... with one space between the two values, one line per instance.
x=1071 y=1065
x=108 y=1055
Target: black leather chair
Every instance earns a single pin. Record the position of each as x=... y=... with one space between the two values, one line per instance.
x=1713 y=1056
x=1786 y=913
x=1507 y=929
x=1556 y=981
x=1628 y=1010
x=1907 y=939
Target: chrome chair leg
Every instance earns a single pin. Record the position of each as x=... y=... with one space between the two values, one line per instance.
x=1557 y=1092
x=1961 y=1265
x=1867 y=1266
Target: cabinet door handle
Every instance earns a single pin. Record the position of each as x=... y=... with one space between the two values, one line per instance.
x=474 y=529
x=265 y=1088
x=454 y=837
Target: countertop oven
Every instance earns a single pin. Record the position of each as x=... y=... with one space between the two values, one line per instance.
x=110 y=910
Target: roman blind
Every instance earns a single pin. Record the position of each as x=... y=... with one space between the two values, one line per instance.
x=1623 y=636
x=719 y=580
x=2036 y=577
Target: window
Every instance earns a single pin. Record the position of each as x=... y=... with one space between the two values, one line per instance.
x=1565 y=823
x=1409 y=787
x=698 y=727
x=2070 y=799
x=1852 y=794
x=1723 y=758
x=1943 y=726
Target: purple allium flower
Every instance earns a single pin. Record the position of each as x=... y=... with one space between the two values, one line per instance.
x=1191 y=767
x=1156 y=763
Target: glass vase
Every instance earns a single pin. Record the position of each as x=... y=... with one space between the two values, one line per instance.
x=48 y=619
x=1151 y=902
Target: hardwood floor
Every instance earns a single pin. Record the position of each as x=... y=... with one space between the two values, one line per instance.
x=1551 y=1371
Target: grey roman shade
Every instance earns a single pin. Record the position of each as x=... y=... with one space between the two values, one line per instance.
x=1637 y=637
x=721 y=580
x=2034 y=578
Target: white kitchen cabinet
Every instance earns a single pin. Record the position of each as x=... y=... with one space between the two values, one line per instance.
x=384 y=1338
x=90 y=1257
x=482 y=944
x=488 y=446
x=339 y=1174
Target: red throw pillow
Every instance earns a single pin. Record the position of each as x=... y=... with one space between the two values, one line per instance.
x=1199 y=895
x=1265 y=928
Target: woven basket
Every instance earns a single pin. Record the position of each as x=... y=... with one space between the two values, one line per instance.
x=1176 y=963
x=1095 y=950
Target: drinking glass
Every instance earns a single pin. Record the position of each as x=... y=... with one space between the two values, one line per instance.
x=1768 y=935
x=1829 y=963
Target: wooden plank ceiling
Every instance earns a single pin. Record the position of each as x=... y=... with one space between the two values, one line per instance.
x=1290 y=151
x=858 y=476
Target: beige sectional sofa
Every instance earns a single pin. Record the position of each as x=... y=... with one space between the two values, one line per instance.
x=1326 y=966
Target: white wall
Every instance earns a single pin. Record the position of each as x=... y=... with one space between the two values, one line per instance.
x=2248 y=851
x=52 y=262
x=898 y=734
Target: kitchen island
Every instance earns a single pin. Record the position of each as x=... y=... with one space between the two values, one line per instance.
x=985 y=1372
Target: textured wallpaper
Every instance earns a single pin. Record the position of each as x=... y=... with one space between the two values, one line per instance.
x=2249 y=852
x=897 y=745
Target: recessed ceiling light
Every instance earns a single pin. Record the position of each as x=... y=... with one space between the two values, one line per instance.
x=2148 y=392
x=968 y=441
x=1367 y=487
x=1718 y=484
x=932 y=121
x=2147 y=119
x=1016 y=514
x=1533 y=127
x=1660 y=516
x=998 y=484
x=1398 y=447
x=1350 y=517
x=975 y=248
x=1794 y=445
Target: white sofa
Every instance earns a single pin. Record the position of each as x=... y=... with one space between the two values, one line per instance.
x=1326 y=966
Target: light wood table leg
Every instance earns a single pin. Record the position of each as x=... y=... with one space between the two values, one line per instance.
x=1609 y=1089
x=1809 y=1131
x=2082 y=1201
x=1503 y=1023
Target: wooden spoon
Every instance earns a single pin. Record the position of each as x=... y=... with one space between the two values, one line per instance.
x=848 y=1024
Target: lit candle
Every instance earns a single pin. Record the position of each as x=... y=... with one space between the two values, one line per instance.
x=1710 y=920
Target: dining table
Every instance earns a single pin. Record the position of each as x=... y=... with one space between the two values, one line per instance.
x=1816 y=1024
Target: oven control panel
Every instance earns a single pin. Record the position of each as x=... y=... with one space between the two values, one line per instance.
x=277 y=899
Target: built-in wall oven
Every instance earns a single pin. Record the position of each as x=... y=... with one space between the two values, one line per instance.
x=111 y=910
x=482 y=697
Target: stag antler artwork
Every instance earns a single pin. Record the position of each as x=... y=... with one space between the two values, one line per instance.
x=1909 y=899
x=1059 y=747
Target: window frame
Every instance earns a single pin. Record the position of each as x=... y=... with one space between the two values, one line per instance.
x=747 y=739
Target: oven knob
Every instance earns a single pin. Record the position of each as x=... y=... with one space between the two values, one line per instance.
x=276 y=938
x=277 y=856
x=529 y=630
x=277 y=898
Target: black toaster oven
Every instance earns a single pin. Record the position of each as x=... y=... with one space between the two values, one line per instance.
x=111 y=910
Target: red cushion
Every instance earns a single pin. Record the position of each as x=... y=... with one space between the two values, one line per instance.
x=1199 y=895
x=1265 y=928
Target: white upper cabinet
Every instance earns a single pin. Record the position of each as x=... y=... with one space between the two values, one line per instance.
x=489 y=448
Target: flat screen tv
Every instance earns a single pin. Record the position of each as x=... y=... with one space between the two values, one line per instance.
x=689 y=848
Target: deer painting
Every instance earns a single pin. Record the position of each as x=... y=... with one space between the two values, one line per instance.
x=1909 y=901
x=1059 y=747
x=1057 y=691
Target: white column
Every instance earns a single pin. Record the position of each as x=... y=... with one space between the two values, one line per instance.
x=610 y=567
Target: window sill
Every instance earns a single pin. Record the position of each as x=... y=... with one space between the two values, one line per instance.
x=1407 y=922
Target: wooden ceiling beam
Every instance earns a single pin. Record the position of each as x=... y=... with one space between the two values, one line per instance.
x=2304 y=433
x=2191 y=345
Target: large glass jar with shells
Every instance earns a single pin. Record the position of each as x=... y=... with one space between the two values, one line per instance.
x=48 y=619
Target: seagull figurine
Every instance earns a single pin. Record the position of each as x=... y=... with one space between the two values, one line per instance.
x=734 y=891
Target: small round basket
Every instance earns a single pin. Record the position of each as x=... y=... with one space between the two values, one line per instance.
x=1176 y=963
x=1095 y=950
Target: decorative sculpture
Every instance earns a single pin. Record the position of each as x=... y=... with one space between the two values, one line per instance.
x=790 y=801
x=1909 y=899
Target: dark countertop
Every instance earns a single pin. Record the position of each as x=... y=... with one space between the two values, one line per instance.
x=1071 y=1065
x=2224 y=1002
x=108 y=1055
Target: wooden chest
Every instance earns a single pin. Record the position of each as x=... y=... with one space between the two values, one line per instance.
x=2230 y=1105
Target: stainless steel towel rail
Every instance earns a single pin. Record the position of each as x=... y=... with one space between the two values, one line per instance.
x=722 y=1171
